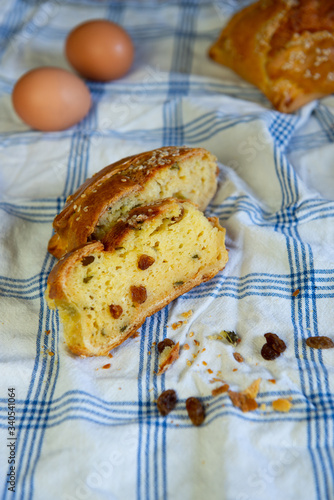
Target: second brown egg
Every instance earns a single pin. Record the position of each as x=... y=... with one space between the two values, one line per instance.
x=100 y=50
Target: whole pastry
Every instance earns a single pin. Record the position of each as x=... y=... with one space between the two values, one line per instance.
x=284 y=47
x=105 y=290
x=181 y=172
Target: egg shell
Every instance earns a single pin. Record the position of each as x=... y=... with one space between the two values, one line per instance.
x=51 y=99
x=100 y=50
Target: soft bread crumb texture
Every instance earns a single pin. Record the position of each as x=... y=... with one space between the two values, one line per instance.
x=104 y=296
x=89 y=213
x=191 y=179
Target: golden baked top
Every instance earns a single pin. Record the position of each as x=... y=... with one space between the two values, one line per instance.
x=284 y=47
x=182 y=172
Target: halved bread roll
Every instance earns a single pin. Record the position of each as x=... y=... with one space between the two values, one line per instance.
x=105 y=290
x=185 y=173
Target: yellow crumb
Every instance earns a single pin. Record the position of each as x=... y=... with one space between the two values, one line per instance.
x=177 y=325
x=253 y=389
x=187 y=314
x=281 y=404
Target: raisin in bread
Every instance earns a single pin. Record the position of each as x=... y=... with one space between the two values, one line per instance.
x=105 y=289
x=284 y=47
x=186 y=173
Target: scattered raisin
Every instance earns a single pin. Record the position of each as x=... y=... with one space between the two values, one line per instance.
x=115 y=311
x=165 y=343
x=87 y=260
x=139 y=294
x=275 y=342
x=273 y=348
x=145 y=261
x=166 y=402
x=320 y=342
x=195 y=411
x=268 y=353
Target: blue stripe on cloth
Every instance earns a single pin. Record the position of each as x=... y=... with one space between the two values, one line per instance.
x=319 y=407
x=301 y=259
x=51 y=378
x=39 y=365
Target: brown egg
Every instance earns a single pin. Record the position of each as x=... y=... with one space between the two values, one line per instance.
x=50 y=99
x=100 y=50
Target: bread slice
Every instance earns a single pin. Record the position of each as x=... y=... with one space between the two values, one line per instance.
x=185 y=173
x=105 y=290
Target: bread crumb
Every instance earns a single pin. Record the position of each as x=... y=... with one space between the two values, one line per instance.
x=191 y=334
x=167 y=357
x=196 y=342
x=242 y=401
x=296 y=292
x=186 y=347
x=109 y=355
x=235 y=370
x=187 y=314
x=272 y=380
x=214 y=379
x=237 y=356
x=105 y=367
x=189 y=363
x=50 y=353
x=47 y=332
x=210 y=371
x=204 y=363
x=177 y=325
x=220 y=390
x=253 y=389
x=263 y=407
x=282 y=405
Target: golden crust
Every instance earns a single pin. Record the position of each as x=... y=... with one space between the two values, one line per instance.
x=59 y=291
x=284 y=47
x=123 y=179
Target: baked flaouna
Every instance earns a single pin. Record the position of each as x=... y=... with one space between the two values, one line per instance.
x=106 y=289
x=180 y=172
x=284 y=47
